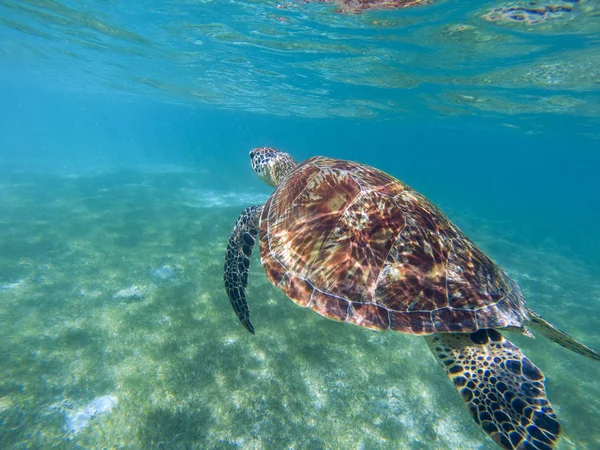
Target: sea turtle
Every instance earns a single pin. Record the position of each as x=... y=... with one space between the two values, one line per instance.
x=357 y=245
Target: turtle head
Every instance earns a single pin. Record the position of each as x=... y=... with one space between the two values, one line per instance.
x=271 y=165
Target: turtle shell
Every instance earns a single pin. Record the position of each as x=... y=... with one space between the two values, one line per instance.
x=356 y=245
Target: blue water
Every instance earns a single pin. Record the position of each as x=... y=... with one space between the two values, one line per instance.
x=124 y=135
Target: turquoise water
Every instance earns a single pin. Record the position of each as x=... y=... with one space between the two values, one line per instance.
x=124 y=135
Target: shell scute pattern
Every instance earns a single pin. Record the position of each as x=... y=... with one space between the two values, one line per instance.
x=415 y=271
x=370 y=315
x=354 y=258
x=298 y=287
x=299 y=218
x=357 y=245
x=330 y=306
x=475 y=282
x=415 y=322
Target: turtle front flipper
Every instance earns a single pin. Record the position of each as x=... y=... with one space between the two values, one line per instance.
x=501 y=387
x=237 y=262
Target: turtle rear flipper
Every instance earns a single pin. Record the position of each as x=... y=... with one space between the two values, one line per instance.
x=237 y=262
x=502 y=389
x=540 y=324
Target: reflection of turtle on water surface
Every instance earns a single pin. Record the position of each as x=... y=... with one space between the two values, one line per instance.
x=356 y=245
x=360 y=5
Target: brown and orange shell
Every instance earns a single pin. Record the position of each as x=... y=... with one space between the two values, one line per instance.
x=355 y=244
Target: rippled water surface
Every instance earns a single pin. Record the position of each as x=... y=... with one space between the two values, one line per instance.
x=302 y=59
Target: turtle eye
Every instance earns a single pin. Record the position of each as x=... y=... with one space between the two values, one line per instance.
x=252 y=154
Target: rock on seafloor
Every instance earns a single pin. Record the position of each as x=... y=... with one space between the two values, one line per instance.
x=78 y=420
x=131 y=293
x=163 y=273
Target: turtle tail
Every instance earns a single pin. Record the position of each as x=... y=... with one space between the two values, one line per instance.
x=540 y=324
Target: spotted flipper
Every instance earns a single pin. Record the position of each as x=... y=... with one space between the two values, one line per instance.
x=503 y=390
x=540 y=324
x=237 y=262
